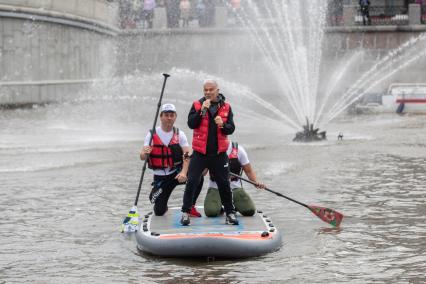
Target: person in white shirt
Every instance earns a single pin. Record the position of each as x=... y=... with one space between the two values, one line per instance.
x=168 y=157
x=238 y=162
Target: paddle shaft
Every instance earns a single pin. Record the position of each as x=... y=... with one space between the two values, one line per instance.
x=150 y=140
x=270 y=190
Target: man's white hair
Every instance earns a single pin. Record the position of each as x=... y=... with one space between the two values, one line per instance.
x=210 y=81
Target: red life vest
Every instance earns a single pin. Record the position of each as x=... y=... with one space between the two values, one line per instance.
x=200 y=135
x=165 y=156
x=234 y=164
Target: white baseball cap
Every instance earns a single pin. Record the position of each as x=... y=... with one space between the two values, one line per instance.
x=168 y=108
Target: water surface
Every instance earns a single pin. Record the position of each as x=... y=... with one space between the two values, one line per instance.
x=69 y=174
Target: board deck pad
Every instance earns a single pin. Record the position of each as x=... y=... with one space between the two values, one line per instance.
x=169 y=223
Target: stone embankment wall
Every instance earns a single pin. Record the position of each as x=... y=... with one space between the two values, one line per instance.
x=51 y=49
x=375 y=43
x=232 y=54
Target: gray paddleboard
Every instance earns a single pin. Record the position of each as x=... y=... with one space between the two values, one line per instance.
x=207 y=237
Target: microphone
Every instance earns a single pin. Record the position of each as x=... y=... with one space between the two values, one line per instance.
x=203 y=112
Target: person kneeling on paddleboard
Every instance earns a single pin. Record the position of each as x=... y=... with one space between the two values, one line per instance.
x=168 y=157
x=238 y=162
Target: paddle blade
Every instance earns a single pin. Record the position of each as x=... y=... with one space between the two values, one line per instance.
x=328 y=215
x=131 y=222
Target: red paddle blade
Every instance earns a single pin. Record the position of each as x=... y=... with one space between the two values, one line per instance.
x=328 y=215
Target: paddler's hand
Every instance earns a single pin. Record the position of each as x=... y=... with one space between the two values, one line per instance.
x=146 y=150
x=206 y=104
x=260 y=185
x=181 y=177
x=218 y=120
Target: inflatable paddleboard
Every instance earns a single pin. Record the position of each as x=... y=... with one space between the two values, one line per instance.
x=207 y=237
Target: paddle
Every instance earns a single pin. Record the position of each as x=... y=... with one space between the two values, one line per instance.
x=131 y=222
x=328 y=215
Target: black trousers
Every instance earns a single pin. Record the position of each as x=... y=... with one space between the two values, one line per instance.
x=162 y=188
x=365 y=12
x=219 y=167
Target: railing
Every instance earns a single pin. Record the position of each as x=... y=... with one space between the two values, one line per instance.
x=385 y=15
x=335 y=13
x=379 y=15
x=423 y=13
